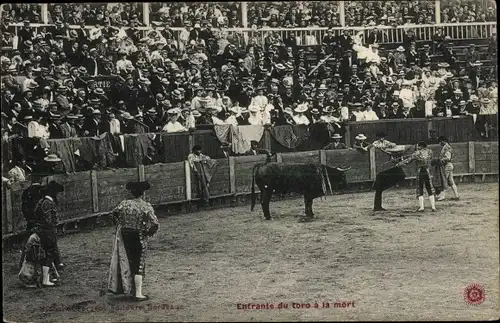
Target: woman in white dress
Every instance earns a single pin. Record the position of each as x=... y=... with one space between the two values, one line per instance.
x=371 y=55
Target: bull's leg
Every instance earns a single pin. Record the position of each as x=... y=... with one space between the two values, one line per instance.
x=265 y=200
x=308 y=209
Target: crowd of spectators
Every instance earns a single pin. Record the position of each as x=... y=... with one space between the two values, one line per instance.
x=456 y=11
x=50 y=90
x=389 y=13
x=260 y=14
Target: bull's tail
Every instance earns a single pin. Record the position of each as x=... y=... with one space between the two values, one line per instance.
x=254 y=196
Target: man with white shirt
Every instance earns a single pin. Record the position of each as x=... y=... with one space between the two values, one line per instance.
x=173 y=125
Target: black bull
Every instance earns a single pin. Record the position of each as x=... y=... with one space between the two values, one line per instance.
x=306 y=179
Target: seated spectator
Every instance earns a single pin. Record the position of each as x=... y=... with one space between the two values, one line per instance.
x=173 y=125
x=360 y=143
x=335 y=144
x=255 y=150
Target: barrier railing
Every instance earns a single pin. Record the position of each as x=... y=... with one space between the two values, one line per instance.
x=93 y=193
x=174 y=147
x=390 y=34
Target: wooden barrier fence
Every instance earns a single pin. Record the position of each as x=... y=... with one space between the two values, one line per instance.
x=91 y=193
x=176 y=146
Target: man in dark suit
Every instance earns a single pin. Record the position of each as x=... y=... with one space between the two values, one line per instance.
x=345 y=40
x=375 y=37
x=93 y=123
x=55 y=126
x=92 y=63
x=346 y=66
x=195 y=34
x=254 y=150
x=226 y=150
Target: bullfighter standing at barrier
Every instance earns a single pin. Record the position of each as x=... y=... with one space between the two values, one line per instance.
x=422 y=158
x=135 y=223
x=444 y=171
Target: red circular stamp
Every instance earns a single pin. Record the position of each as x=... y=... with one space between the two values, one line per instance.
x=474 y=294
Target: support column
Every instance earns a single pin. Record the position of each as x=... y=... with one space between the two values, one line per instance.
x=145 y=13
x=244 y=17
x=437 y=5
x=342 y=12
x=45 y=13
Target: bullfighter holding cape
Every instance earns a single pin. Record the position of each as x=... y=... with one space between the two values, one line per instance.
x=442 y=167
x=136 y=222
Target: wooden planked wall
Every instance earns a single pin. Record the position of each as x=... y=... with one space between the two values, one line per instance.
x=90 y=193
x=411 y=131
x=169 y=182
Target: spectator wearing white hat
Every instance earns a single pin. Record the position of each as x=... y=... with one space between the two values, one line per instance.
x=300 y=117
x=173 y=125
x=360 y=143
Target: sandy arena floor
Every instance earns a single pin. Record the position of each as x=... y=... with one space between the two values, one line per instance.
x=397 y=266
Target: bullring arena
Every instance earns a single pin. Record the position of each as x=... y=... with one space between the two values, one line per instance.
x=400 y=265
x=175 y=103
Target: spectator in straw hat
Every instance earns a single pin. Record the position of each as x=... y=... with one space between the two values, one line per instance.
x=173 y=125
x=93 y=123
x=336 y=143
x=68 y=126
x=360 y=143
x=55 y=126
x=300 y=117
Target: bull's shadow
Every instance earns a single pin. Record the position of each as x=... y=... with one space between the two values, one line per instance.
x=309 y=180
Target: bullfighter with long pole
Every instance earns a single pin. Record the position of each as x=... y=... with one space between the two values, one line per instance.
x=422 y=157
x=391 y=176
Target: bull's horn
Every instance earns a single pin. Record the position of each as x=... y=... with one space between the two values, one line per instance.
x=344 y=169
